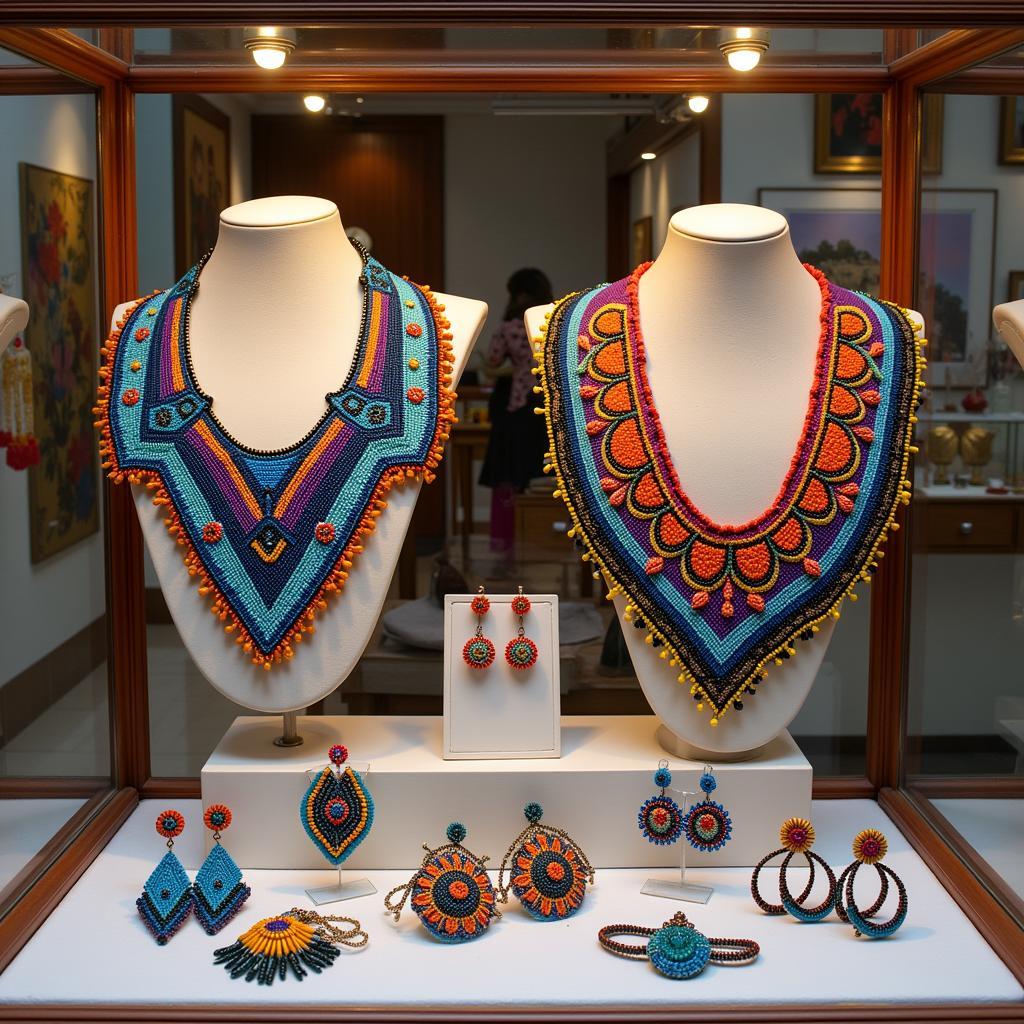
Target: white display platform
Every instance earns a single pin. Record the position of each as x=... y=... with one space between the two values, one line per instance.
x=936 y=957
x=593 y=791
x=500 y=711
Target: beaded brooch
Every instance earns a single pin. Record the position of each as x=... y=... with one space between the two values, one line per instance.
x=337 y=808
x=451 y=893
x=271 y=535
x=548 y=870
x=722 y=602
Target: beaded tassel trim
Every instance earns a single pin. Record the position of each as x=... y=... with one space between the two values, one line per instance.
x=271 y=535
x=723 y=601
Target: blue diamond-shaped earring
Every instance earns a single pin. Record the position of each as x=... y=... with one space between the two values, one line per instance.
x=219 y=889
x=337 y=810
x=166 y=899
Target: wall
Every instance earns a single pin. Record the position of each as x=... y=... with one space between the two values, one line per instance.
x=658 y=187
x=509 y=205
x=41 y=605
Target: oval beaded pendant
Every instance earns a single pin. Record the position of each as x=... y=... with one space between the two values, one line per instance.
x=337 y=809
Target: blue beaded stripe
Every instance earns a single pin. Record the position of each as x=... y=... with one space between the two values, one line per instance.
x=166 y=899
x=270 y=599
x=219 y=890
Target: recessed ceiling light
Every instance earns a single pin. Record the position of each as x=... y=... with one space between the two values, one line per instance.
x=743 y=47
x=648 y=156
x=269 y=45
x=314 y=103
x=698 y=104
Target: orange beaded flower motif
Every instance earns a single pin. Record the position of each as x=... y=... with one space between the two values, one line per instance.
x=870 y=846
x=796 y=835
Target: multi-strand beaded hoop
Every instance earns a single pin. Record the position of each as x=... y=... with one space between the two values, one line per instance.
x=796 y=836
x=869 y=847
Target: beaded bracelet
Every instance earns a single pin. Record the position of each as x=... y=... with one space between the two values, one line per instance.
x=677 y=949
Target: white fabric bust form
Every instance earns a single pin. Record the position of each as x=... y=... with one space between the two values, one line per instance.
x=1008 y=318
x=732 y=410
x=277 y=316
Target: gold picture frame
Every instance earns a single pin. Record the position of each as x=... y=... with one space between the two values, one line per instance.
x=857 y=149
x=1011 y=129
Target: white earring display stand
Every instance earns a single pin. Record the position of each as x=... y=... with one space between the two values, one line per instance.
x=681 y=890
x=346 y=888
x=499 y=711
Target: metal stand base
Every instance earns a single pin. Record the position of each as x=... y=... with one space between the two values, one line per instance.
x=290 y=736
x=677 y=890
x=347 y=890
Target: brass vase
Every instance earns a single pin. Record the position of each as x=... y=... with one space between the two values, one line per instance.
x=942 y=446
x=976 y=451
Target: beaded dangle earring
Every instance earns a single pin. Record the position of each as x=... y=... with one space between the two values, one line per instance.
x=869 y=847
x=451 y=893
x=337 y=809
x=707 y=825
x=521 y=651
x=478 y=651
x=166 y=899
x=219 y=889
x=796 y=836
x=660 y=818
x=548 y=871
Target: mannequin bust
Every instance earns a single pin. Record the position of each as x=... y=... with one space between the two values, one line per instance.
x=1008 y=319
x=765 y=340
x=281 y=270
x=13 y=319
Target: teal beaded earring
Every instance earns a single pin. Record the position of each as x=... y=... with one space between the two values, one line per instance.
x=166 y=899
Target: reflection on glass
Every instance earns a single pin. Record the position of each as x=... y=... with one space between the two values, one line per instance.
x=54 y=732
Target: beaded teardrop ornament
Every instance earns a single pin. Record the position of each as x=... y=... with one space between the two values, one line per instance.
x=723 y=602
x=337 y=808
x=450 y=893
x=166 y=899
x=271 y=536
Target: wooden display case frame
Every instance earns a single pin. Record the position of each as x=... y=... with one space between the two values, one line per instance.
x=28 y=27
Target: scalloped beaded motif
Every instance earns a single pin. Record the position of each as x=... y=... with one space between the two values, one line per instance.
x=724 y=601
x=271 y=536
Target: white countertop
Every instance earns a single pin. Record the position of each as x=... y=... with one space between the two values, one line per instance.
x=105 y=955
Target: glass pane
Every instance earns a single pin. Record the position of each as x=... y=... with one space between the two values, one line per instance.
x=520 y=45
x=54 y=711
x=966 y=699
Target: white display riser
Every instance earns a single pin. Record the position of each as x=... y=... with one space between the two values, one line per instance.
x=593 y=791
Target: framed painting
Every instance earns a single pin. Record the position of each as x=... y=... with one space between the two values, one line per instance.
x=1015 y=290
x=202 y=176
x=1011 y=130
x=58 y=257
x=641 y=246
x=840 y=231
x=848 y=133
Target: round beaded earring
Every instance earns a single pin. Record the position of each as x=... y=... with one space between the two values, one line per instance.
x=707 y=825
x=478 y=651
x=660 y=818
x=521 y=651
x=869 y=847
x=796 y=836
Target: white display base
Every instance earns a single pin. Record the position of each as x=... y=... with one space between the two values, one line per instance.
x=936 y=957
x=593 y=791
x=344 y=888
x=677 y=890
x=499 y=711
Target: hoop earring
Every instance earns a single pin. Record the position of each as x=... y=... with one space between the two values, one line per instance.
x=219 y=888
x=796 y=836
x=660 y=819
x=478 y=651
x=707 y=825
x=166 y=899
x=521 y=651
x=869 y=847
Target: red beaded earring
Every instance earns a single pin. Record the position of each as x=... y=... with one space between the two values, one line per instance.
x=478 y=651
x=521 y=651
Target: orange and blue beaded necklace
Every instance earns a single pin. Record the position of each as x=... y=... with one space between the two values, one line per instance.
x=724 y=602
x=271 y=535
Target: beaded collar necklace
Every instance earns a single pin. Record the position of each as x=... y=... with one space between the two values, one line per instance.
x=272 y=534
x=725 y=601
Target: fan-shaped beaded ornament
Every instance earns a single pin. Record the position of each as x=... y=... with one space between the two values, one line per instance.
x=726 y=601
x=166 y=899
x=547 y=870
x=478 y=651
x=797 y=836
x=676 y=949
x=869 y=847
x=219 y=888
x=660 y=818
x=297 y=940
x=520 y=651
x=707 y=825
x=287 y=525
x=337 y=808
x=450 y=892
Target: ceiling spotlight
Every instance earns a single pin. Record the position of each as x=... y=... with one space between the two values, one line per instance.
x=314 y=103
x=269 y=45
x=698 y=104
x=648 y=156
x=743 y=47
